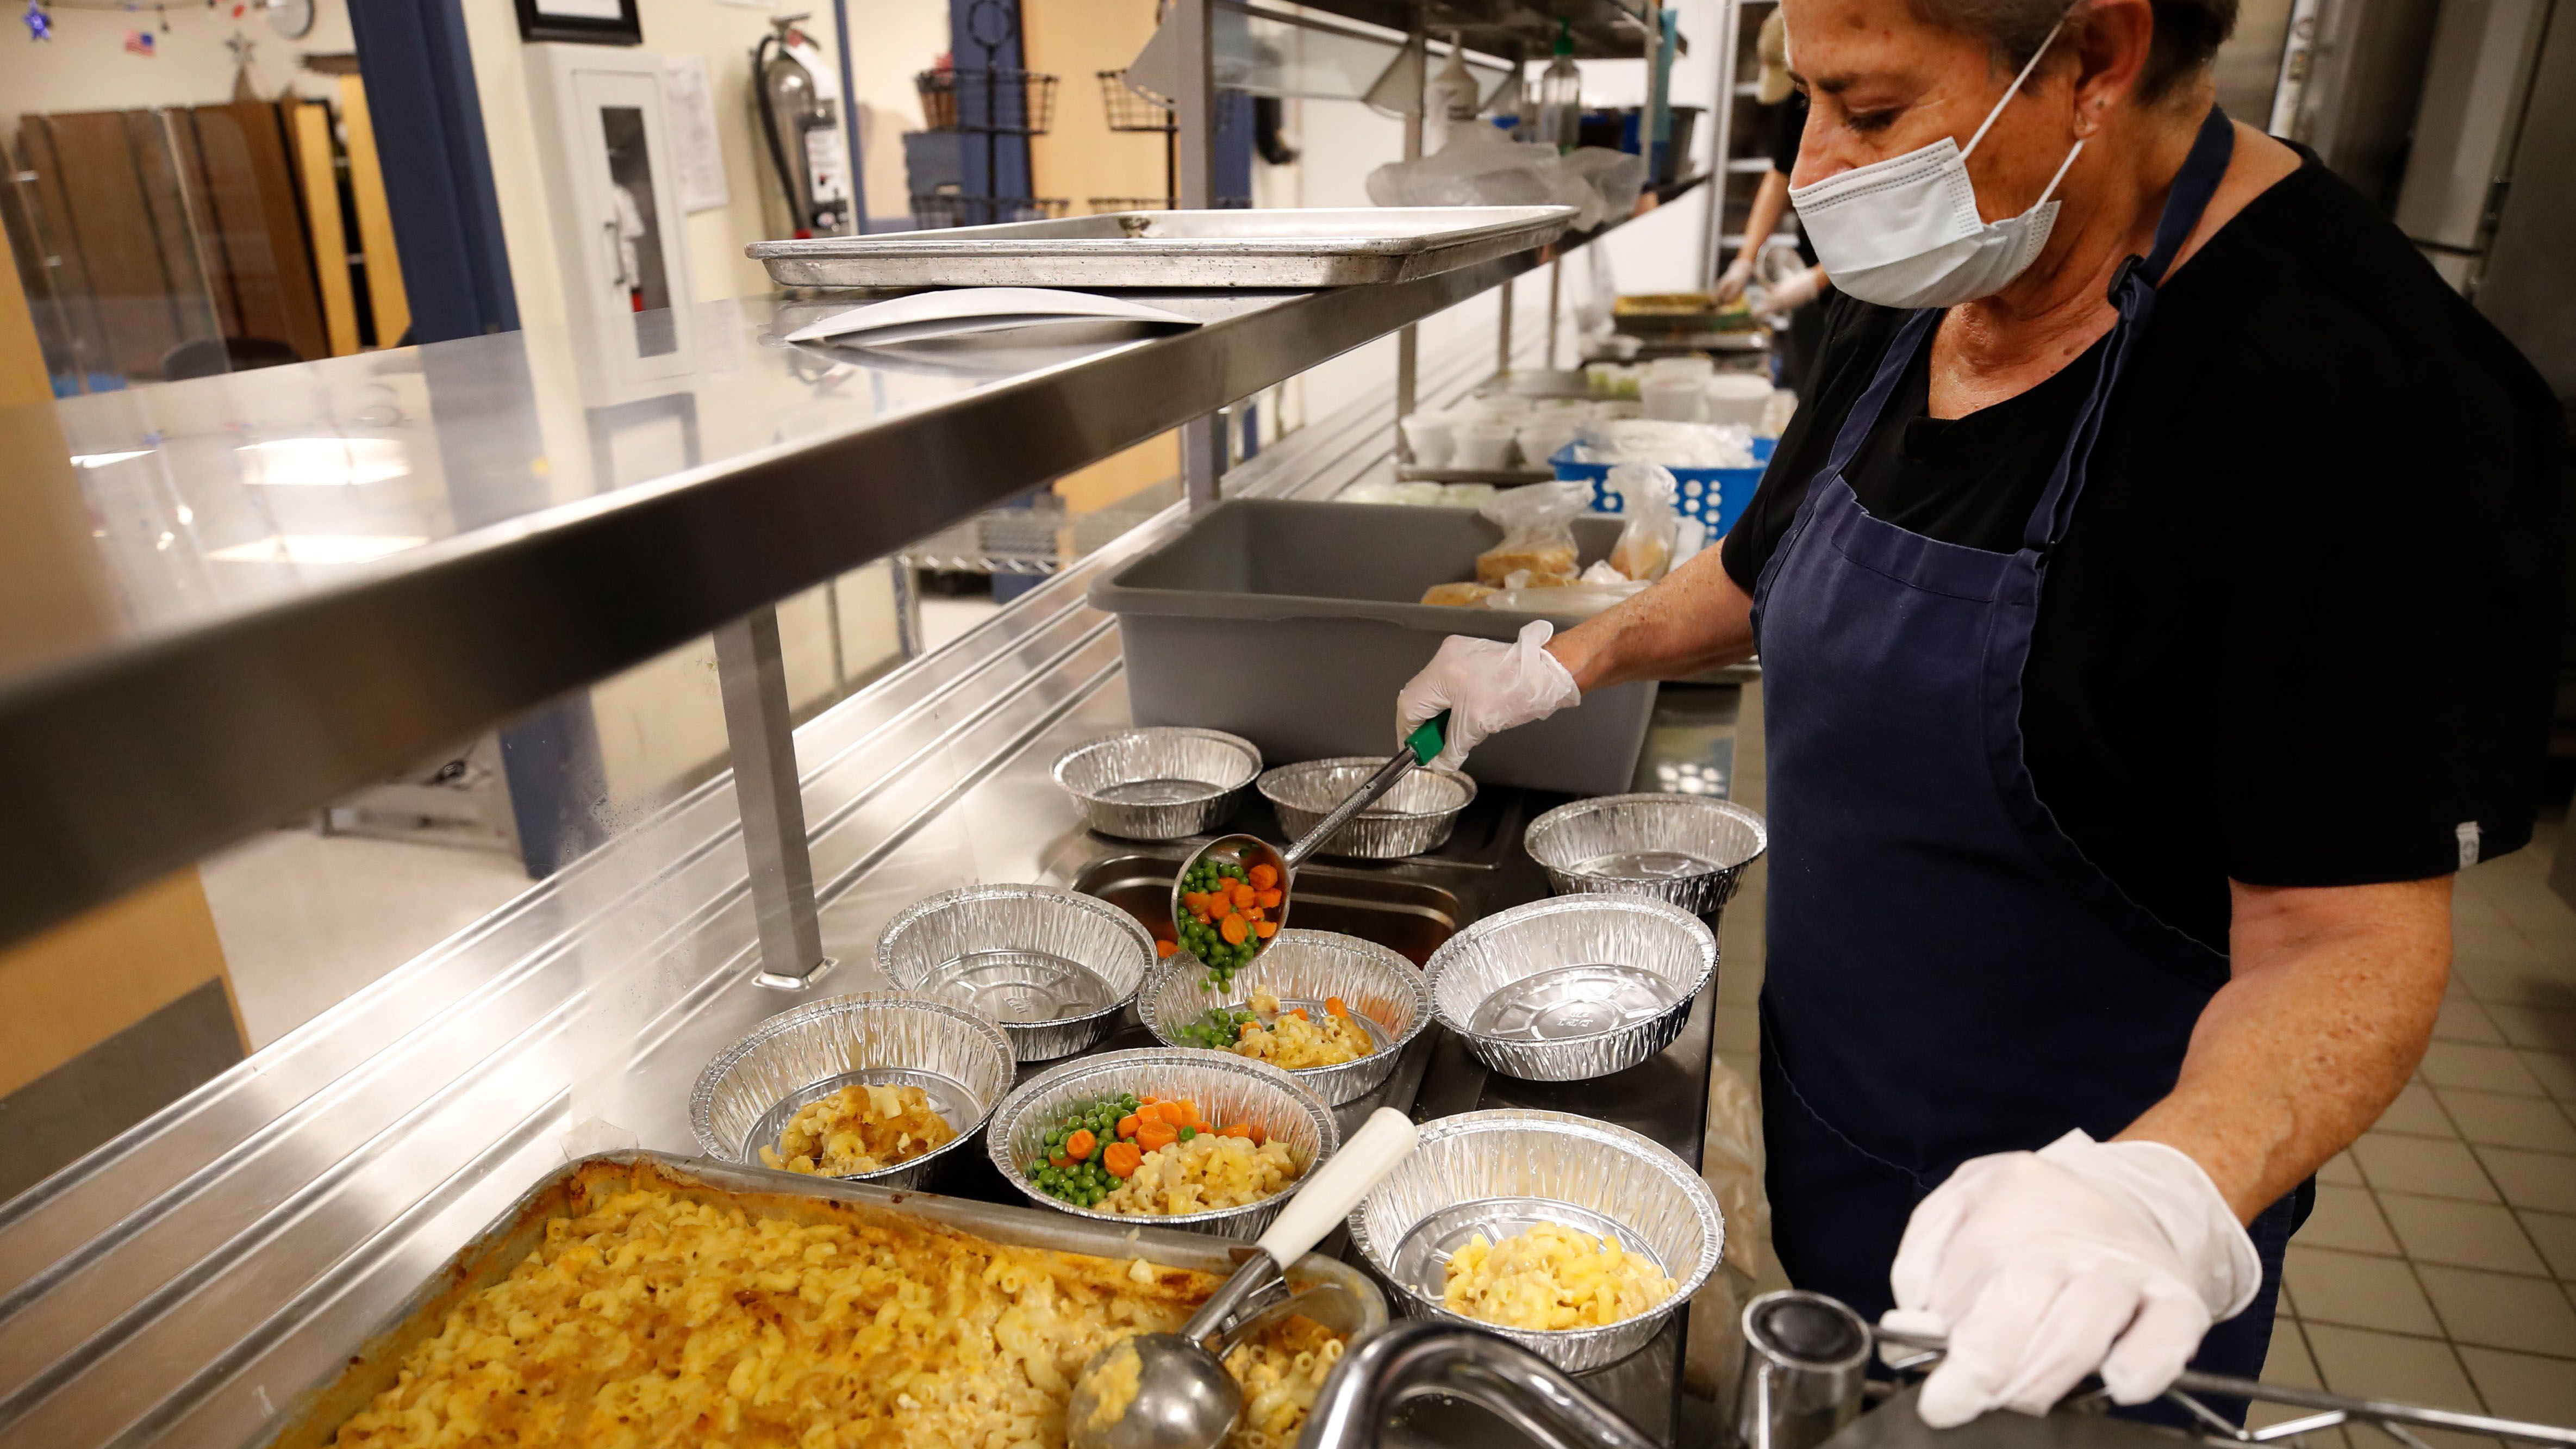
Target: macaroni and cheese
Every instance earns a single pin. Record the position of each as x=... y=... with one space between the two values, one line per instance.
x=653 y=1317
x=1552 y=1276
x=859 y=1129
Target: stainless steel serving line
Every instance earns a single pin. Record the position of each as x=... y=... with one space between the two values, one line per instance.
x=182 y=1284
x=511 y=548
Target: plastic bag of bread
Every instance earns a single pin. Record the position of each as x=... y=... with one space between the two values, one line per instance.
x=1457 y=596
x=1538 y=533
x=1646 y=492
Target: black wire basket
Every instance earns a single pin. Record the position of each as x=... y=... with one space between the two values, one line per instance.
x=994 y=102
x=1130 y=109
x=936 y=209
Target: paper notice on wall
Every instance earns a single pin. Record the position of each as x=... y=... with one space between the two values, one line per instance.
x=692 y=104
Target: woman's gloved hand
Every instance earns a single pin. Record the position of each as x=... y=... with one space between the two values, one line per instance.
x=2082 y=1257
x=1486 y=686
x=1731 y=283
x=1793 y=292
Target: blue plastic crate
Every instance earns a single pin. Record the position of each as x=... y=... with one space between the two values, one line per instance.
x=1714 y=496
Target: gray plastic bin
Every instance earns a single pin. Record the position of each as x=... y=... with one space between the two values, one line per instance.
x=1294 y=624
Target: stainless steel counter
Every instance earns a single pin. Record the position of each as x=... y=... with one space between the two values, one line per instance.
x=323 y=573
x=186 y=1281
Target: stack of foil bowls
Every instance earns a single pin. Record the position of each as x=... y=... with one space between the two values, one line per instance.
x=1160 y=783
x=1228 y=1089
x=1305 y=968
x=1501 y=1173
x=747 y=1095
x=1574 y=987
x=1686 y=849
x=1054 y=968
x=1415 y=816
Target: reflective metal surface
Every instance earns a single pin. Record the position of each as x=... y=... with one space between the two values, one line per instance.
x=1414 y=812
x=1499 y=1173
x=1312 y=247
x=1158 y=784
x=184 y=1282
x=1227 y=1088
x=1428 y=1358
x=326 y=572
x=747 y=1095
x=1580 y=986
x=1686 y=849
x=1054 y=967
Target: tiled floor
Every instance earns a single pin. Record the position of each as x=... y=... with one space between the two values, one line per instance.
x=2440 y=1263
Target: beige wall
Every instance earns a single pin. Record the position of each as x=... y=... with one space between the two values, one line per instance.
x=85 y=67
x=902 y=37
x=84 y=981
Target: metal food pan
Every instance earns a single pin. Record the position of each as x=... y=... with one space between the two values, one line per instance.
x=1283 y=248
x=314 y=1417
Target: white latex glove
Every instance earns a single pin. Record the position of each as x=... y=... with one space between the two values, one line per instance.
x=1793 y=292
x=2082 y=1257
x=1486 y=686
x=1730 y=285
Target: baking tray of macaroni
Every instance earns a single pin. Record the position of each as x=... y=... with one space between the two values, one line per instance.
x=1129 y=1275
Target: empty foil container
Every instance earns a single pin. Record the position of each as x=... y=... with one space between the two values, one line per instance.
x=1053 y=967
x=1686 y=849
x=747 y=1095
x=1303 y=968
x=1415 y=816
x=1574 y=987
x=1160 y=783
x=1227 y=1089
x=1500 y=1173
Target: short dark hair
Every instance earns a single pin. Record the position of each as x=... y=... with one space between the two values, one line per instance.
x=2188 y=33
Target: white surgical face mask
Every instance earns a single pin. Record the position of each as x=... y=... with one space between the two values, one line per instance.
x=1904 y=232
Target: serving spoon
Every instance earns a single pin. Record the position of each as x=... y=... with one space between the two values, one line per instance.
x=1182 y=1396
x=1420 y=748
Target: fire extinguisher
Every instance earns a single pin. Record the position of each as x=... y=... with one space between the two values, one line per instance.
x=797 y=98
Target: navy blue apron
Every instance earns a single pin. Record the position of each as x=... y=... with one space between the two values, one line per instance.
x=1948 y=975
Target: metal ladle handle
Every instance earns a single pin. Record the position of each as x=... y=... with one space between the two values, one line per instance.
x=1420 y=748
x=1918 y=1350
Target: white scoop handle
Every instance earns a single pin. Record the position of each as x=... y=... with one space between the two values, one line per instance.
x=1328 y=1196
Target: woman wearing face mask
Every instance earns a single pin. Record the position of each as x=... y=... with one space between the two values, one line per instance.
x=2156 y=602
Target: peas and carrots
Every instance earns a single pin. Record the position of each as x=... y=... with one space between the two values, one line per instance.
x=1074 y=1168
x=1226 y=913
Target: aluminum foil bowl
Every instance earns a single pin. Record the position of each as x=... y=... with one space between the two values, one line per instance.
x=1158 y=784
x=1303 y=968
x=1503 y=1172
x=1415 y=816
x=1227 y=1089
x=1574 y=987
x=747 y=1095
x=1686 y=849
x=1054 y=968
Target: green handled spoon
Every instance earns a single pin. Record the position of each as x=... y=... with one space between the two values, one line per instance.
x=1247 y=851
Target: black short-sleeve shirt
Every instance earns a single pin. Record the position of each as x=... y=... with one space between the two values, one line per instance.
x=2302 y=629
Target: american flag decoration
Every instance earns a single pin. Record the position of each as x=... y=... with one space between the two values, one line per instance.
x=138 y=42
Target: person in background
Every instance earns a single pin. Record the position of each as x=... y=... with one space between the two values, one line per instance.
x=1797 y=328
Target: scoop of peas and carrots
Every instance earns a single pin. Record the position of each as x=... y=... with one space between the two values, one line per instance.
x=1226 y=914
x=1090 y=1149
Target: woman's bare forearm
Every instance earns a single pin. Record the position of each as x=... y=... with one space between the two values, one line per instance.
x=1695 y=618
x=2326 y=1015
x=1769 y=200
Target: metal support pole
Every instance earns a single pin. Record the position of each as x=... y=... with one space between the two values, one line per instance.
x=1721 y=145
x=753 y=680
x=1503 y=341
x=1194 y=128
x=1555 y=294
x=1407 y=342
